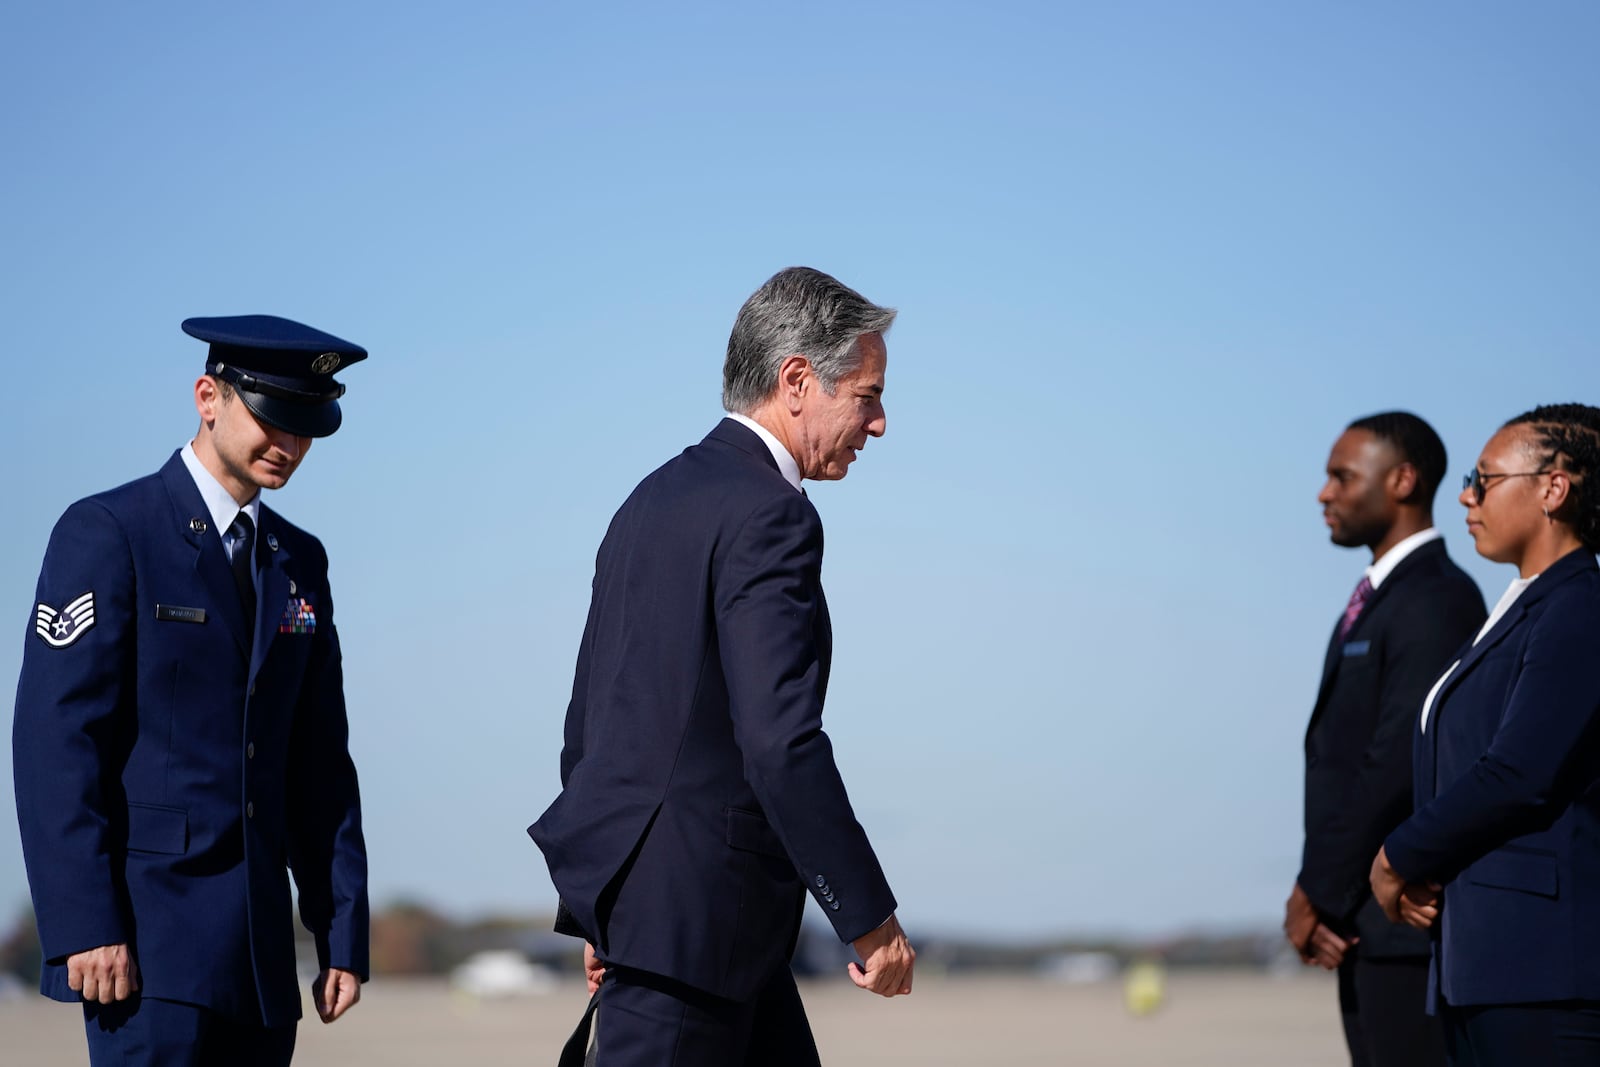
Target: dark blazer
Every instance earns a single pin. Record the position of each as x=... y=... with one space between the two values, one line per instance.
x=1358 y=745
x=1508 y=801
x=699 y=791
x=169 y=771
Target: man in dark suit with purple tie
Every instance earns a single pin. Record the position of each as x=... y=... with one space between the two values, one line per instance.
x=700 y=800
x=1410 y=612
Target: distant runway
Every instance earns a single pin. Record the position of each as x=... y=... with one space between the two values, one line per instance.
x=1210 y=1019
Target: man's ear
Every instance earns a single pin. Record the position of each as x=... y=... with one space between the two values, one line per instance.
x=207 y=398
x=794 y=381
x=1402 y=482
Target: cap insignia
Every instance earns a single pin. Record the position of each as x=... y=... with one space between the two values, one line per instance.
x=326 y=363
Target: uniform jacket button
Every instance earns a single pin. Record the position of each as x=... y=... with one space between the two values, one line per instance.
x=250 y=810
x=250 y=750
x=821 y=881
x=834 y=905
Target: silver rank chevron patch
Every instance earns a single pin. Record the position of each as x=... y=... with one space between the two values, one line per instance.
x=60 y=628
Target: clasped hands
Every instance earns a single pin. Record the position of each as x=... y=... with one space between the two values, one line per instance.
x=1317 y=945
x=1409 y=902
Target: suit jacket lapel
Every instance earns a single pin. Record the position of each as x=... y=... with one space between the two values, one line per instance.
x=1330 y=666
x=193 y=520
x=1396 y=578
x=1564 y=568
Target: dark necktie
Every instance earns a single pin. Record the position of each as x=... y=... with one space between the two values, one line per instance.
x=1352 y=610
x=243 y=574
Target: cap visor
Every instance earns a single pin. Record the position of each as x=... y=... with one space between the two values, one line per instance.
x=302 y=420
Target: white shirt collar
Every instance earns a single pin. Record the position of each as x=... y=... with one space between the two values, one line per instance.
x=219 y=502
x=1384 y=566
x=786 y=464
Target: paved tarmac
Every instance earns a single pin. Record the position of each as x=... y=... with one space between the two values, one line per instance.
x=1208 y=1019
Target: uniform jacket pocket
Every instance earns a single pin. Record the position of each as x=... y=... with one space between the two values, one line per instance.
x=153 y=828
x=1528 y=872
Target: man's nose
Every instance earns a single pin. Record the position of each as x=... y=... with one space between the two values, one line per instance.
x=879 y=423
x=287 y=443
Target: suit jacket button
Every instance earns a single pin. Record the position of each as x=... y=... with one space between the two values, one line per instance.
x=250 y=810
x=250 y=750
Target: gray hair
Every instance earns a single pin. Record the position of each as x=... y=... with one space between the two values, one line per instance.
x=799 y=311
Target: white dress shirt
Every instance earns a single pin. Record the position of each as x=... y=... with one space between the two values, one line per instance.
x=786 y=464
x=219 y=502
x=1384 y=565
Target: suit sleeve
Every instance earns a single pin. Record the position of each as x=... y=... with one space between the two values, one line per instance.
x=72 y=726
x=767 y=596
x=572 y=729
x=327 y=851
x=572 y=741
x=1418 y=645
x=1543 y=752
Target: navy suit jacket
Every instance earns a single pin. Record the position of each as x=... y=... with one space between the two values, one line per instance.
x=1358 y=745
x=170 y=770
x=699 y=791
x=1508 y=801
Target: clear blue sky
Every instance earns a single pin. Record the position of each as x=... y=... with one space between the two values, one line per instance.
x=1149 y=259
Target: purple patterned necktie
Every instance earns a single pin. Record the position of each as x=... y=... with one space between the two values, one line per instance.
x=1352 y=610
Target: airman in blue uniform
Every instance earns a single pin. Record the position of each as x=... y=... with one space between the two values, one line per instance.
x=180 y=737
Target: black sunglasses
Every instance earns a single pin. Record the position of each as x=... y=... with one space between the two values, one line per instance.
x=1478 y=482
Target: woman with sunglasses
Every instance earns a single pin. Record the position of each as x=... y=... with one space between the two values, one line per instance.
x=1507 y=767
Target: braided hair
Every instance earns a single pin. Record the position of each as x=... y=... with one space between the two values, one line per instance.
x=1569 y=434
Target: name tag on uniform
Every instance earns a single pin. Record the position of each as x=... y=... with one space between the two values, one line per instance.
x=174 y=613
x=1357 y=648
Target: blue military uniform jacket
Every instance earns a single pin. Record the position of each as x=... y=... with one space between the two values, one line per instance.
x=1507 y=782
x=172 y=768
x=700 y=792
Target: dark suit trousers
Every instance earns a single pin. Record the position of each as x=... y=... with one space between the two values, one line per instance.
x=1384 y=1006
x=1514 y=1035
x=167 y=1033
x=646 y=1020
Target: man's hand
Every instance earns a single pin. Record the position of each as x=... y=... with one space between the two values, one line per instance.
x=1299 y=919
x=888 y=956
x=103 y=974
x=1325 y=949
x=1419 y=904
x=334 y=992
x=593 y=970
x=1386 y=886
